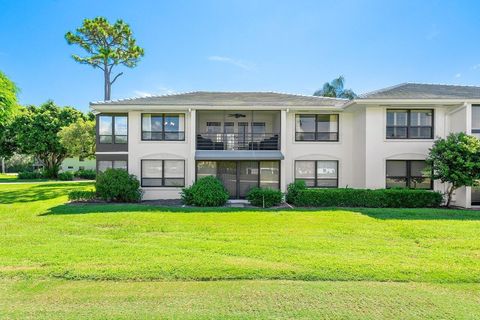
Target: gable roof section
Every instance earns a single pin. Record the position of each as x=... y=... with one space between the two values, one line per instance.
x=424 y=91
x=202 y=98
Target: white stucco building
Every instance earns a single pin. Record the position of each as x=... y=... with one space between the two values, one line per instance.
x=246 y=139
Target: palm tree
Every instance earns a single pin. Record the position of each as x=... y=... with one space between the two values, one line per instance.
x=335 y=89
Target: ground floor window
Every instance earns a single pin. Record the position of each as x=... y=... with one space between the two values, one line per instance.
x=317 y=173
x=163 y=173
x=407 y=174
x=103 y=165
x=239 y=177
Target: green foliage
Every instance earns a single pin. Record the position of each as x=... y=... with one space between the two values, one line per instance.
x=205 y=192
x=335 y=89
x=380 y=198
x=65 y=176
x=293 y=189
x=81 y=195
x=30 y=175
x=79 y=138
x=36 y=133
x=8 y=98
x=86 y=174
x=455 y=160
x=19 y=162
x=264 y=197
x=107 y=45
x=117 y=185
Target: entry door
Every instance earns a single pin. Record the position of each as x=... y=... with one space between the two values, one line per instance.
x=227 y=173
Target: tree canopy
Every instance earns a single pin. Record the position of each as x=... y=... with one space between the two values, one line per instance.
x=36 y=133
x=8 y=97
x=79 y=138
x=335 y=89
x=107 y=46
x=456 y=161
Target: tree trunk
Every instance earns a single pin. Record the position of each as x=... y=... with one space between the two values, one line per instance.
x=107 y=84
x=449 y=195
x=3 y=165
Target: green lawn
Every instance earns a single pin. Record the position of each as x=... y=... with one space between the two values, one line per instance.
x=123 y=261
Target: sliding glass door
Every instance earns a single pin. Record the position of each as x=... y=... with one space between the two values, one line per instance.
x=239 y=177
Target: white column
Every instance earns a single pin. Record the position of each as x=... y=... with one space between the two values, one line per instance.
x=283 y=149
x=192 y=133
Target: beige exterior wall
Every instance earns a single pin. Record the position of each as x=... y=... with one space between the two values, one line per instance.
x=362 y=149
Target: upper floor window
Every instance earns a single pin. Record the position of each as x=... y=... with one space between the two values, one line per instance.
x=407 y=174
x=476 y=120
x=113 y=129
x=410 y=124
x=321 y=173
x=316 y=127
x=163 y=126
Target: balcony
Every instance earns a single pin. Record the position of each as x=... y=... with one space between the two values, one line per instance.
x=238 y=141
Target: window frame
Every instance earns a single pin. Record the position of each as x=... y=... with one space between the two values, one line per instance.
x=163 y=132
x=163 y=173
x=316 y=128
x=409 y=126
x=408 y=177
x=113 y=135
x=112 y=164
x=316 y=173
x=475 y=131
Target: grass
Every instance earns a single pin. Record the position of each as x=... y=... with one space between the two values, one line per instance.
x=140 y=260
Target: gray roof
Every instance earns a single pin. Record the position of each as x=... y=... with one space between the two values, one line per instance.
x=202 y=98
x=424 y=91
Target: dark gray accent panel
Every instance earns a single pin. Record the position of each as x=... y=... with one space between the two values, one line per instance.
x=238 y=155
x=109 y=147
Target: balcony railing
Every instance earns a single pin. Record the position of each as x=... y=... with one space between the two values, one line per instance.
x=238 y=141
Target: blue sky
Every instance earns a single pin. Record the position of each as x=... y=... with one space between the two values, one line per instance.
x=285 y=46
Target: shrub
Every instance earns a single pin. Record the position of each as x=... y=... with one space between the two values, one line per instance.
x=380 y=198
x=81 y=195
x=30 y=175
x=264 y=197
x=293 y=189
x=118 y=185
x=65 y=176
x=205 y=192
x=86 y=174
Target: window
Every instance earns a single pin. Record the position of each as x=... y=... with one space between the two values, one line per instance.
x=214 y=127
x=163 y=173
x=322 y=173
x=103 y=165
x=410 y=124
x=113 y=129
x=476 y=120
x=316 y=127
x=407 y=174
x=163 y=126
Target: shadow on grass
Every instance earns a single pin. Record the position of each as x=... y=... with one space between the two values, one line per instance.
x=38 y=192
x=376 y=213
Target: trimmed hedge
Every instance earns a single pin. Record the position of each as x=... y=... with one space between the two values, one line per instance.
x=380 y=198
x=31 y=175
x=293 y=189
x=264 y=197
x=82 y=195
x=86 y=174
x=117 y=185
x=65 y=176
x=205 y=192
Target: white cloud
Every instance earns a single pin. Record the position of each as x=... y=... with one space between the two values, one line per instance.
x=458 y=75
x=236 y=62
x=477 y=66
x=159 y=92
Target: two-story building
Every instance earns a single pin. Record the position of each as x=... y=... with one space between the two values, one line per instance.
x=266 y=139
